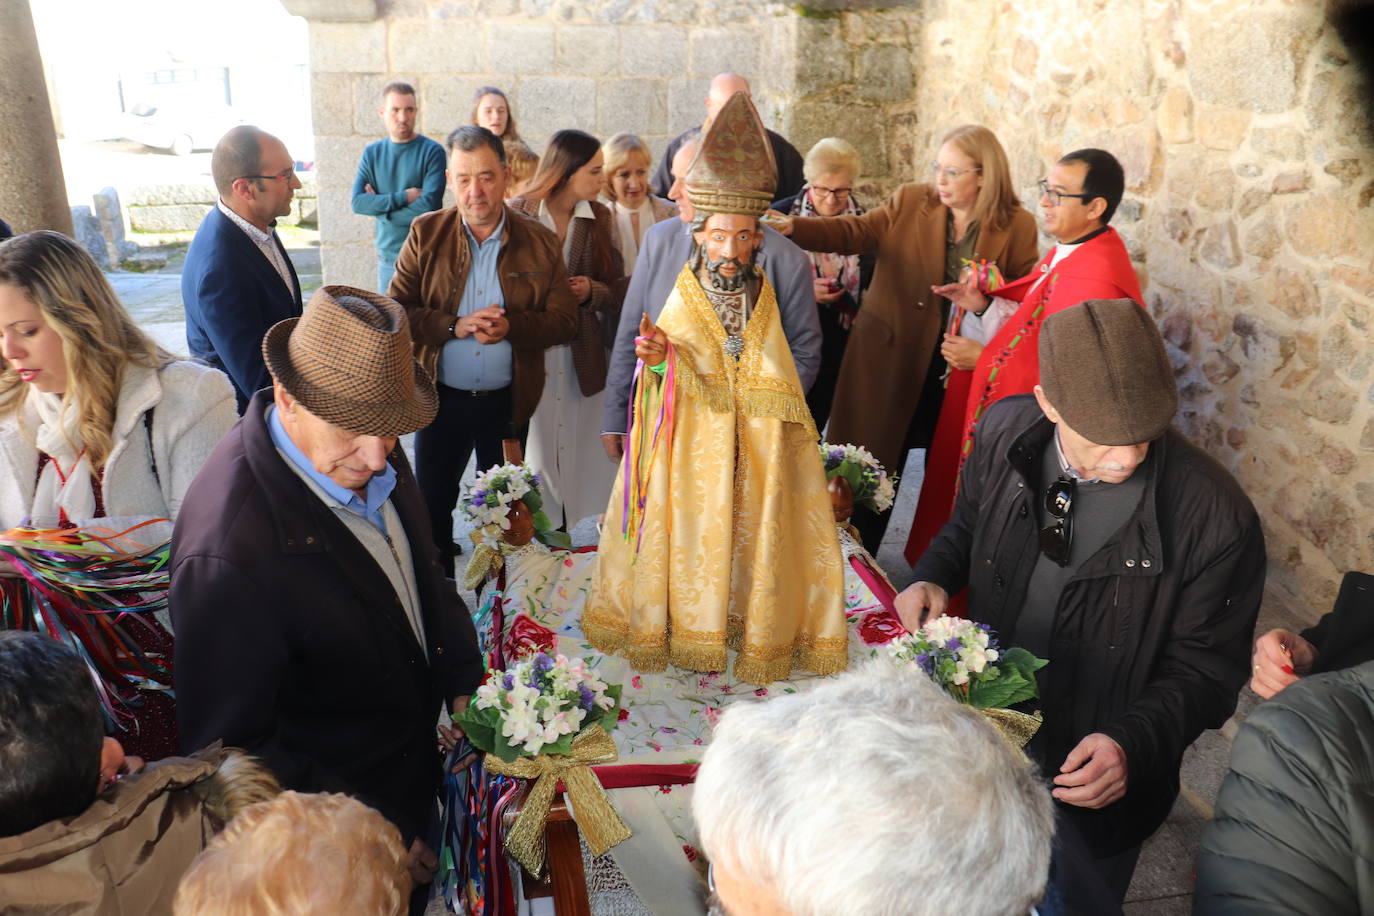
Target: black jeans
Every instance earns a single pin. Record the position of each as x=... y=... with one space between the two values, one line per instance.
x=466 y=421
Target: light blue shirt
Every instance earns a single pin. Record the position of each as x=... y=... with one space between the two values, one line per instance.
x=377 y=492
x=466 y=363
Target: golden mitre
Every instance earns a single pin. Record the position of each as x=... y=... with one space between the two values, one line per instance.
x=733 y=170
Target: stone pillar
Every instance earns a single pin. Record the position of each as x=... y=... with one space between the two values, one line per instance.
x=33 y=194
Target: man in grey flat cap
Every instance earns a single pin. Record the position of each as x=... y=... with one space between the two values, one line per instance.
x=1092 y=533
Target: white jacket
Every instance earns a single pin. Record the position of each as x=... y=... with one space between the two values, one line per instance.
x=193 y=407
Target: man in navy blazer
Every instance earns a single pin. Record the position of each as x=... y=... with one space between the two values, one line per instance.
x=238 y=281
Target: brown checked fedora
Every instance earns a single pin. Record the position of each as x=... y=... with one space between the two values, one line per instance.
x=348 y=361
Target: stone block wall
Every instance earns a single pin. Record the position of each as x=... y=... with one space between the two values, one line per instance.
x=602 y=66
x=1242 y=129
x=169 y=208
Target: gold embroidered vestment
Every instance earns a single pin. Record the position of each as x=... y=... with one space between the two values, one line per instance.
x=738 y=542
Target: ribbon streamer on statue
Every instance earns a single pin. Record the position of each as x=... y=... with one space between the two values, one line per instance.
x=641 y=444
x=600 y=824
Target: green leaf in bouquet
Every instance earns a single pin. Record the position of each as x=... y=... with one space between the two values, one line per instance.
x=997 y=693
x=556 y=539
x=483 y=728
x=533 y=501
x=1022 y=660
x=1028 y=691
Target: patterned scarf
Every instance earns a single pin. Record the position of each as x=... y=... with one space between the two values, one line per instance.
x=843 y=267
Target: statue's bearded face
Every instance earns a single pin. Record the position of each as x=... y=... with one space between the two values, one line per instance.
x=727 y=243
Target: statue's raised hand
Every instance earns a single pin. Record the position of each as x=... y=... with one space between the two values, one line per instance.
x=652 y=344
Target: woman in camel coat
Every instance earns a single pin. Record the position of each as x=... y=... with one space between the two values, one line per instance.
x=890 y=386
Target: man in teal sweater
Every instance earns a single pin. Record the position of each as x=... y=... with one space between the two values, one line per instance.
x=398 y=178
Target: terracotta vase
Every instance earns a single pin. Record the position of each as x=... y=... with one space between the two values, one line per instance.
x=521 y=530
x=841 y=499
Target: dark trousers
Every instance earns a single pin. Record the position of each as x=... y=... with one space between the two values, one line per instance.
x=466 y=421
x=1082 y=883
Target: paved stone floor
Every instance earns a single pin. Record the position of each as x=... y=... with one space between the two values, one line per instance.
x=1164 y=878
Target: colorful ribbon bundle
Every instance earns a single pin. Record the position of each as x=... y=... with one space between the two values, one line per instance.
x=642 y=443
x=472 y=877
x=94 y=589
x=986 y=276
x=985 y=273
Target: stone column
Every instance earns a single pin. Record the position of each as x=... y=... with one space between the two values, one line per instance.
x=33 y=194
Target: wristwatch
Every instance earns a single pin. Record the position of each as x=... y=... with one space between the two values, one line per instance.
x=452 y=324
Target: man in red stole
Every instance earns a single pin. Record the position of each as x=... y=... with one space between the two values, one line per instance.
x=1089 y=261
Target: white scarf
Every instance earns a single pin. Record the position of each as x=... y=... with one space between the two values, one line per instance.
x=625 y=233
x=59 y=436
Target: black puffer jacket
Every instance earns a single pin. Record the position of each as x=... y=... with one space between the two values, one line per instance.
x=1294 y=824
x=1151 y=640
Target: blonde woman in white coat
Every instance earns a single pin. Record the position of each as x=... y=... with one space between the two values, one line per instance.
x=96 y=421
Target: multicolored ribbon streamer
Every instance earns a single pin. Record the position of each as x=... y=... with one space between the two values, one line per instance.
x=95 y=590
x=642 y=444
x=985 y=273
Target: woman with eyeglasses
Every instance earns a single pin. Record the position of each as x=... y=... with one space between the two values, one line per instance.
x=98 y=424
x=831 y=168
x=565 y=431
x=891 y=382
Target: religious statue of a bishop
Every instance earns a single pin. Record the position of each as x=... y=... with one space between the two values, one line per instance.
x=719 y=531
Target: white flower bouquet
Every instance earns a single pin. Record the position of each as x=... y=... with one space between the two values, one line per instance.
x=872 y=485
x=963 y=657
x=538 y=706
x=488 y=499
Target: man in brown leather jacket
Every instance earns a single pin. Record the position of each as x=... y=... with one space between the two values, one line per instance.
x=487 y=292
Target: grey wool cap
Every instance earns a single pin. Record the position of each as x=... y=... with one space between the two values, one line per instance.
x=1104 y=369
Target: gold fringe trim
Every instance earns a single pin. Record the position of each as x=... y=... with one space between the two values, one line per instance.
x=695 y=652
x=778 y=405
x=649 y=654
x=645 y=659
x=763 y=671
x=699 y=658
x=708 y=391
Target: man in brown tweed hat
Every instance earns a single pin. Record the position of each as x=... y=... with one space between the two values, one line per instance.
x=314 y=625
x=1092 y=533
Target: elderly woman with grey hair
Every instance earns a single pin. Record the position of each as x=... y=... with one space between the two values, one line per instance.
x=918 y=808
x=831 y=169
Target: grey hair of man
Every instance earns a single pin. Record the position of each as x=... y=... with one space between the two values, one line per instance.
x=874 y=793
x=470 y=138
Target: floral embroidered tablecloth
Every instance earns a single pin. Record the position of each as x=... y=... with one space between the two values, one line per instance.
x=668 y=715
